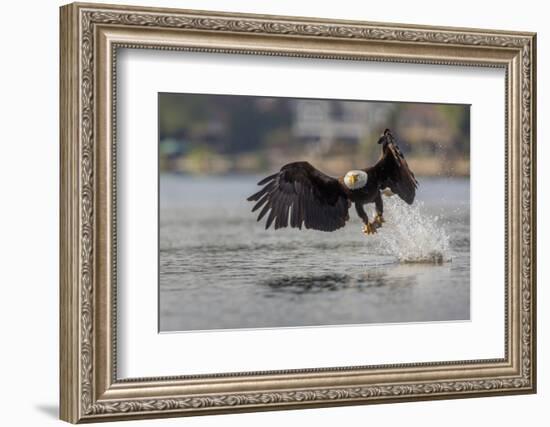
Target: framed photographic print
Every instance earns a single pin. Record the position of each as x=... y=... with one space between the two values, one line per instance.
x=265 y=212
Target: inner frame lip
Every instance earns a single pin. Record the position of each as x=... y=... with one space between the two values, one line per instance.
x=490 y=363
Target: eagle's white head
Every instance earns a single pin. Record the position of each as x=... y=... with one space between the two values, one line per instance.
x=355 y=179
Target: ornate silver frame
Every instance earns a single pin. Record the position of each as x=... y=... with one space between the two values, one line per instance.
x=90 y=36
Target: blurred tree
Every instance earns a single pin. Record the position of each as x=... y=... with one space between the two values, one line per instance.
x=241 y=133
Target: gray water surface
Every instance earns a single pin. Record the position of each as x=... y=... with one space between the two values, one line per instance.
x=219 y=268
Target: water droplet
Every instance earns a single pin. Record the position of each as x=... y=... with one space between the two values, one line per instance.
x=412 y=236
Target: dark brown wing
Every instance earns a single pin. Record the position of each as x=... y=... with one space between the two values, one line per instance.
x=393 y=171
x=304 y=195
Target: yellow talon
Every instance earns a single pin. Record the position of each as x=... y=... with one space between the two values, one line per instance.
x=369 y=228
x=379 y=220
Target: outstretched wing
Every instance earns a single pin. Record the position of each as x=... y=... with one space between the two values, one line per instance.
x=393 y=171
x=304 y=195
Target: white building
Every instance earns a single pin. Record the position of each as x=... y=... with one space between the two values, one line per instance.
x=324 y=122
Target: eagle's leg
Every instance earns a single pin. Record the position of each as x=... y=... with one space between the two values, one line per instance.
x=368 y=228
x=378 y=218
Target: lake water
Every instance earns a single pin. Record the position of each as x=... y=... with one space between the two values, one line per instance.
x=219 y=268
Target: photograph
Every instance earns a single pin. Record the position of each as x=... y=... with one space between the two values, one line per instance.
x=290 y=212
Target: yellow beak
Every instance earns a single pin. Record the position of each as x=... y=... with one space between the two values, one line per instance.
x=353 y=179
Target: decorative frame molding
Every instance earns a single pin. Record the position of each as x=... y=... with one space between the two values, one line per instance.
x=90 y=36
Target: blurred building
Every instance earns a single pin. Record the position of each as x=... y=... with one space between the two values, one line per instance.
x=322 y=122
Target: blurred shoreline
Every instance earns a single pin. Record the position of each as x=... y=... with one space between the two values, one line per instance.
x=332 y=165
x=221 y=134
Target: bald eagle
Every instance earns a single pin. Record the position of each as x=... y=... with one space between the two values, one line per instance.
x=300 y=195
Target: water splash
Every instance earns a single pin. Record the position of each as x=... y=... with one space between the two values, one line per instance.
x=412 y=236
